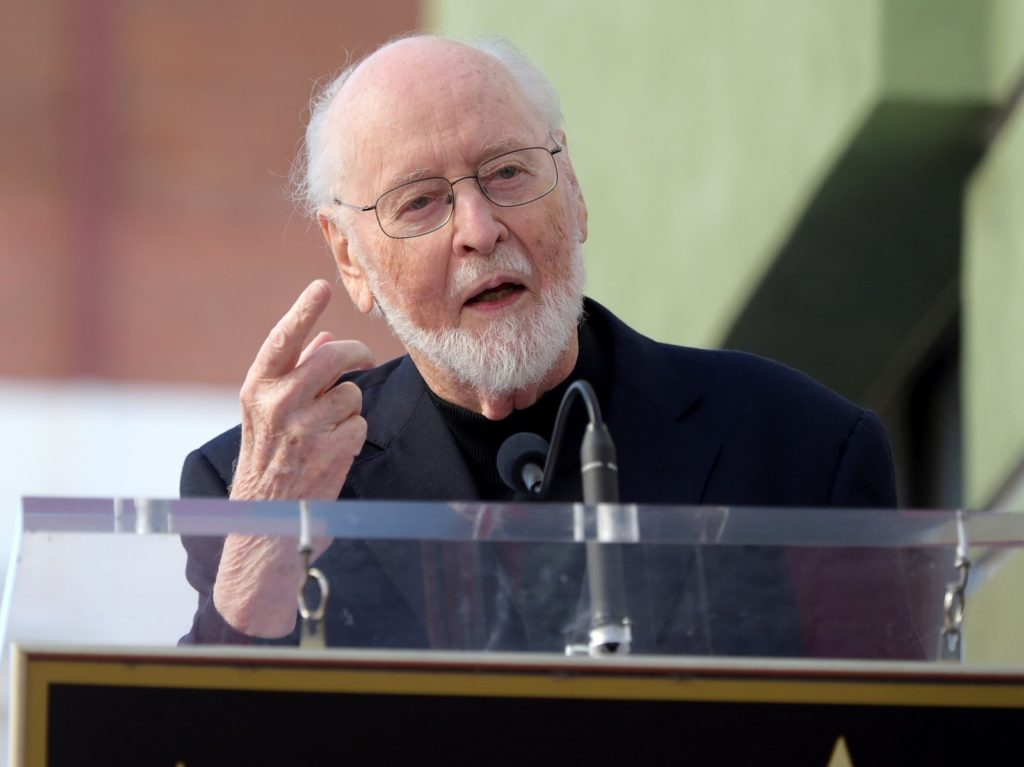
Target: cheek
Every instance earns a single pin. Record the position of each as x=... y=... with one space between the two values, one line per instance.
x=553 y=244
x=415 y=277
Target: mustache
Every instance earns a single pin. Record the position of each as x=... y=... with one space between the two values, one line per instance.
x=469 y=271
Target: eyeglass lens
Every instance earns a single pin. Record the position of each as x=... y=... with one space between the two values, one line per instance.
x=511 y=179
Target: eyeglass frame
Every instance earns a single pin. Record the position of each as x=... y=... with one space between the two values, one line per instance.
x=451 y=184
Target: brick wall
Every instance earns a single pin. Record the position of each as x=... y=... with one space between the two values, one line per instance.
x=146 y=233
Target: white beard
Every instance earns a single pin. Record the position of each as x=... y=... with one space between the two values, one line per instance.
x=513 y=352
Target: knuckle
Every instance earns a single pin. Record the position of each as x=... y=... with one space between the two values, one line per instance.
x=277 y=340
x=352 y=394
x=249 y=396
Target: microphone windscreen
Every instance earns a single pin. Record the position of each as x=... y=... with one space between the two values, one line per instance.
x=515 y=453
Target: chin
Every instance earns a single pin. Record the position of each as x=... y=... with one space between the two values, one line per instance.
x=512 y=351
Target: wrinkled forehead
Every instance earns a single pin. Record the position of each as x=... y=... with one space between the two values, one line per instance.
x=427 y=105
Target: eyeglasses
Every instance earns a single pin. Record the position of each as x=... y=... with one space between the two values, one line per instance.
x=423 y=206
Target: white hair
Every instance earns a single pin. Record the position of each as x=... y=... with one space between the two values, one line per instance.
x=318 y=169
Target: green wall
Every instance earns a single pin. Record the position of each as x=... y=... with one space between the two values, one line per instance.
x=699 y=131
x=936 y=50
x=994 y=316
x=1005 y=47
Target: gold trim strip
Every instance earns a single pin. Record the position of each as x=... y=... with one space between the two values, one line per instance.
x=939 y=693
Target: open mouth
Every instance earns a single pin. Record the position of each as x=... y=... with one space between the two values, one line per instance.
x=497 y=293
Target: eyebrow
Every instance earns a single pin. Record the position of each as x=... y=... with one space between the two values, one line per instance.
x=487 y=152
x=405 y=178
x=495 y=148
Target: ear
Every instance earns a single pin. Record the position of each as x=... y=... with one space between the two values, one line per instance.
x=574 y=186
x=350 y=270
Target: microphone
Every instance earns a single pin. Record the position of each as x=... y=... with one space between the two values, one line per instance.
x=599 y=465
x=521 y=459
x=526 y=462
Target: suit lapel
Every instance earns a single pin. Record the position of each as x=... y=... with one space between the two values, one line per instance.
x=664 y=457
x=409 y=455
x=661 y=462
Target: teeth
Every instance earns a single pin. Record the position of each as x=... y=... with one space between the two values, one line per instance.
x=495 y=294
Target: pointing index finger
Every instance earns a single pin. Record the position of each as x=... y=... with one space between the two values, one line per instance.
x=280 y=351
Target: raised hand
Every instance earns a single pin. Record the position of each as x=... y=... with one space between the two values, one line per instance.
x=300 y=434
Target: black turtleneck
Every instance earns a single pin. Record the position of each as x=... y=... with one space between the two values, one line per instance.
x=479 y=438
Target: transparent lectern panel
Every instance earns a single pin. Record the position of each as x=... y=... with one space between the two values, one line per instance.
x=707 y=581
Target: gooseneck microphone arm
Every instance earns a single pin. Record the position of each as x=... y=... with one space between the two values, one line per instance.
x=597 y=453
x=518 y=464
x=527 y=464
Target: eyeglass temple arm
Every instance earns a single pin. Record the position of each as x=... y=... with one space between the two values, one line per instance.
x=363 y=208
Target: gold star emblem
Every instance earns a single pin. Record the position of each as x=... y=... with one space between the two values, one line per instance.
x=840 y=754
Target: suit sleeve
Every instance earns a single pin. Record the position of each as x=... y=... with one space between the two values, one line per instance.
x=865 y=477
x=199 y=478
x=857 y=602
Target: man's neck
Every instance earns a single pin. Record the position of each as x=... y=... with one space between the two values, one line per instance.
x=495 y=405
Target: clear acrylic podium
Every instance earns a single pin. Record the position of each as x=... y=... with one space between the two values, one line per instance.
x=749 y=591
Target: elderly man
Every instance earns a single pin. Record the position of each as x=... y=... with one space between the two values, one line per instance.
x=441 y=177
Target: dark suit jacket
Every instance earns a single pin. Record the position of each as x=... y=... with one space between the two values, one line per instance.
x=691 y=427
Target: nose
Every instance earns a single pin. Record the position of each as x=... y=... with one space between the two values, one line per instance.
x=476 y=223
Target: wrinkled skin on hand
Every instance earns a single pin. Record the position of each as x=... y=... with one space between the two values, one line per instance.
x=300 y=435
x=300 y=432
